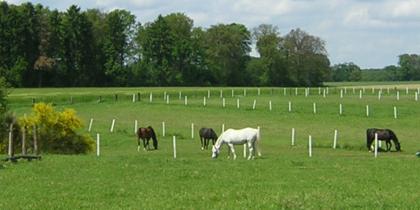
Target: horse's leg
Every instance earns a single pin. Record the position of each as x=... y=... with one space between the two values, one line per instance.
x=202 y=145
x=144 y=144
x=147 y=143
x=232 y=149
x=206 y=143
x=251 y=150
x=138 y=144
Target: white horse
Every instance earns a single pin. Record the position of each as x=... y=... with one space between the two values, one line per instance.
x=249 y=136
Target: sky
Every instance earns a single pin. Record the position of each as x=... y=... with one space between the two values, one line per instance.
x=369 y=33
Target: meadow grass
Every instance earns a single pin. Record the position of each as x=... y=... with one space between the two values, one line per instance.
x=283 y=178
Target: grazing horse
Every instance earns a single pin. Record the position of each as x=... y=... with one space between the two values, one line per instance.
x=383 y=135
x=250 y=136
x=205 y=135
x=145 y=134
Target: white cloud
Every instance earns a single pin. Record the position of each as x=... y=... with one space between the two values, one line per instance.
x=371 y=33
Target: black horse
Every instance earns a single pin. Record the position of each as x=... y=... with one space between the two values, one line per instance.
x=205 y=135
x=145 y=134
x=383 y=135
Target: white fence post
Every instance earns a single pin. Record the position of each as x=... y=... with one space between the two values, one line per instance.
x=174 y=145
x=367 y=110
x=237 y=103
x=112 y=125
x=310 y=145
x=221 y=93
x=395 y=112
x=314 y=106
x=341 y=109
x=335 y=139
x=360 y=94
x=151 y=98
x=186 y=100
x=290 y=106
x=416 y=96
x=293 y=136
x=284 y=91
x=192 y=130
x=270 y=105
x=204 y=101
x=254 y=104
x=398 y=95
x=163 y=128
x=167 y=99
x=376 y=145
x=90 y=124
x=10 y=149
x=208 y=93
x=97 y=144
x=223 y=102
x=180 y=95
x=259 y=91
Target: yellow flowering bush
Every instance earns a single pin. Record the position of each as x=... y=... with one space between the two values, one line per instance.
x=57 y=131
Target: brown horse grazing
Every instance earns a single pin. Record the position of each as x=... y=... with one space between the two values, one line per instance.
x=145 y=134
x=205 y=135
x=383 y=135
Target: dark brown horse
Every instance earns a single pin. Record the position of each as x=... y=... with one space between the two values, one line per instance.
x=205 y=135
x=383 y=135
x=145 y=134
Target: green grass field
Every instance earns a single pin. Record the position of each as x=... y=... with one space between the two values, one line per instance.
x=283 y=178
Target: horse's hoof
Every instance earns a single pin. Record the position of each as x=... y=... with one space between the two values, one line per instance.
x=202 y=148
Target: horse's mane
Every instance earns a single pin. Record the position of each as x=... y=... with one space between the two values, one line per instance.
x=153 y=134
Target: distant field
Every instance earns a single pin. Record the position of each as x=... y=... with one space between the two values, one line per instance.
x=403 y=84
x=283 y=178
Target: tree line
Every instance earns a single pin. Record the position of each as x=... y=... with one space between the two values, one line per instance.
x=408 y=69
x=40 y=47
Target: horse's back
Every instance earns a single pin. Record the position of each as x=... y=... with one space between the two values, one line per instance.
x=207 y=133
x=383 y=134
x=240 y=135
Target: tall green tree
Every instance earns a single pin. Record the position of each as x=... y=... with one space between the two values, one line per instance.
x=307 y=58
x=228 y=52
x=120 y=27
x=272 y=52
x=78 y=49
x=346 y=72
x=156 y=44
x=410 y=66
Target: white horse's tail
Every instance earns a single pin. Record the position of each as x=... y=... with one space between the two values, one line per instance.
x=257 y=147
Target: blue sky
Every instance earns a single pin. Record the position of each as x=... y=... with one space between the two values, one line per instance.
x=370 y=33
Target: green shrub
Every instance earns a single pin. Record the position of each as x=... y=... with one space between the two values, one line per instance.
x=57 y=131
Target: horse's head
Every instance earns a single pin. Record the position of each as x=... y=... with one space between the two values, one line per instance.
x=215 y=152
x=398 y=146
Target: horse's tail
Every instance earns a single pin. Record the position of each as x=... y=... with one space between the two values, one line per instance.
x=369 y=137
x=257 y=147
x=153 y=134
x=395 y=139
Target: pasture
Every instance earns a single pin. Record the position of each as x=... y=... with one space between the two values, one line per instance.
x=283 y=178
